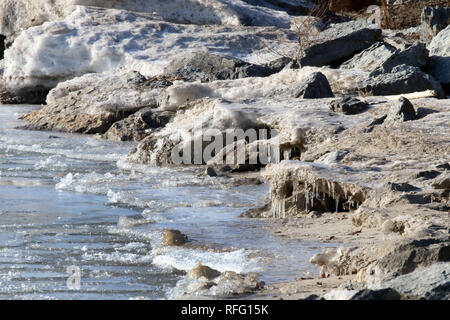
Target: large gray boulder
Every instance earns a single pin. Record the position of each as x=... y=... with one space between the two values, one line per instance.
x=431 y=283
x=439 y=63
x=206 y=67
x=415 y=56
x=371 y=58
x=315 y=86
x=402 y=79
x=407 y=257
x=340 y=42
x=433 y=20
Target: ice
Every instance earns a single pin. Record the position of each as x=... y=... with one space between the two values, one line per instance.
x=103 y=40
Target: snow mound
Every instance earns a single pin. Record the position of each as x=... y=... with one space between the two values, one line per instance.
x=98 y=40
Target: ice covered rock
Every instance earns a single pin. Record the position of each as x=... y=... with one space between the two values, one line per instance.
x=402 y=79
x=93 y=102
x=340 y=42
x=102 y=40
x=173 y=238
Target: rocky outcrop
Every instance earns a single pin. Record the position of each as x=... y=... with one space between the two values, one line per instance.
x=313 y=87
x=92 y=103
x=206 y=67
x=402 y=79
x=340 y=42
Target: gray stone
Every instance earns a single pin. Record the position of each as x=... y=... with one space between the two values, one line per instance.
x=442 y=181
x=439 y=63
x=401 y=110
x=371 y=58
x=315 y=86
x=207 y=67
x=431 y=283
x=416 y=56
x=134 y=127
x=402 y=79
x=433 y=20
x=381 y=294
x=340 y=42
x=412 y=255
x=290 y=6
x=349 y=105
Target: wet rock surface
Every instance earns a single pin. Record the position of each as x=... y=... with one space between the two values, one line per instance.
x=349 y=105
x=173 y=238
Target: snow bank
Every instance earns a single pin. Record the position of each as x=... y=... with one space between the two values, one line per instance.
x=16 y=16
x=100 y=40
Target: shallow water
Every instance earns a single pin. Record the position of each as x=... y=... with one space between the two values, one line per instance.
x=61 y=198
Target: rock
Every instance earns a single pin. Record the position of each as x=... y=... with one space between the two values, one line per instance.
x=340 y=42
x=381 y=294
x=415 y=56
x=205 y=67
x=412 y=255
x=439 y=63
x=99 y=40
x=371 y=58
x=313 y=87
x=402 y=79
x=136 y=127
x=2 y=45
x=7 y=97
x=401 y=110
x=349 y=105
x=374 y=123
x=433 y=20
x=203 y=271
x=259 y=212
x=210 y=172
x=173 y=238
x=442 y=181
x=92 y=103
x=444 y=166
x=431 y=283
x=291 y=6
x=333 y=157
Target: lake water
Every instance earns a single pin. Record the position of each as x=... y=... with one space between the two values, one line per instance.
x=61 y=198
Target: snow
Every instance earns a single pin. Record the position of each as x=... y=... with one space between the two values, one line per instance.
x=104 y=40
x=16 y=16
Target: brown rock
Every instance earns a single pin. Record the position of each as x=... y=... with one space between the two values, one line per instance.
x=203 y=271
x=173 y=238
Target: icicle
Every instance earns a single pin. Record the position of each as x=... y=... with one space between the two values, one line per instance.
x=283 y=207
x=306 y=195
x=337 y=205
